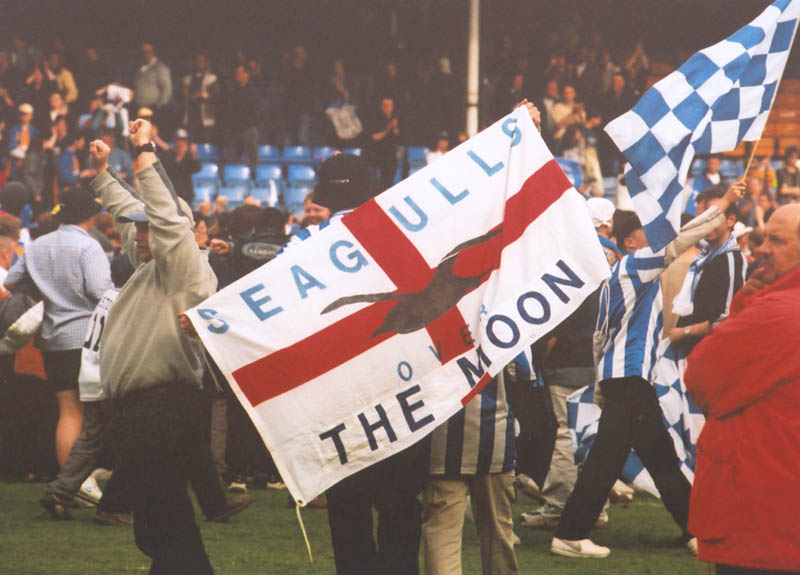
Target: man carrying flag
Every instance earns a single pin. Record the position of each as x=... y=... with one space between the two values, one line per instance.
x=630 y=324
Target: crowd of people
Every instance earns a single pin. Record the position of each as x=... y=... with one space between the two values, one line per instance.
x=123 y=255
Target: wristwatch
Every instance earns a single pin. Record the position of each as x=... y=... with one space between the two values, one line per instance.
x=687 y=331
x=148 y=147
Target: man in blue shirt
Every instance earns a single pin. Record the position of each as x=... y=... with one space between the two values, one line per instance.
x=71 y=272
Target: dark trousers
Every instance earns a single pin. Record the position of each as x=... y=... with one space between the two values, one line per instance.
x=631 y=418
x=392 y=487
x=734 y=570
x=157 y=448
x=84 y=457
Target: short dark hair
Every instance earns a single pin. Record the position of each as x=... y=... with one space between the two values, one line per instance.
x=625 y=223
x=716 y=192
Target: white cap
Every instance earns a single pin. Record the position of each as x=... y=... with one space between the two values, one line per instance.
x=739 y=229
x=601 y=210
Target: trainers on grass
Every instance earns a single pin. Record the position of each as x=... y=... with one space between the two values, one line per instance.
x=56 y=507
x=538 y=520
x=581 y=548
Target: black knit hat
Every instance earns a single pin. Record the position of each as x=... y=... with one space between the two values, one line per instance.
x=77 y=205
x=344 y=183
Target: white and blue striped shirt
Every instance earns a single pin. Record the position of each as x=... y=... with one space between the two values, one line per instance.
x=630 y=316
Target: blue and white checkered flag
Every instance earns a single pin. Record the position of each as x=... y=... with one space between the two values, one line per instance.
x=717 y=98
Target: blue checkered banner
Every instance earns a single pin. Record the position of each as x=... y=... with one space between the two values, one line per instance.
x=719 y=97
x=682 y=418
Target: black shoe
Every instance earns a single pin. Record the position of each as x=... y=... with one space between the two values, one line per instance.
x=232 y=506
x=56 y=507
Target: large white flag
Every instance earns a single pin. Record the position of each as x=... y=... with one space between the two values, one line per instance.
x=359 y=341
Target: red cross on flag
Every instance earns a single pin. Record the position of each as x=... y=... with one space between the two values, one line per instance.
x=361 y=340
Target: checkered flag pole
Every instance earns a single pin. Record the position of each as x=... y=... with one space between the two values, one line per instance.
x=718 y=98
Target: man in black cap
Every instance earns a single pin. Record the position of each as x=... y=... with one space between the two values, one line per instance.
x=392 y=485
x=70 y=270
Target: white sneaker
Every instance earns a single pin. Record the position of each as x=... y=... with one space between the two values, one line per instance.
x=101 y=474
x=691 y=545
x=89 y=494
x=582 y=548
x=621 y=493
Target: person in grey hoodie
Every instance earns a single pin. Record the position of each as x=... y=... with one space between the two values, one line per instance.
x=150 y=368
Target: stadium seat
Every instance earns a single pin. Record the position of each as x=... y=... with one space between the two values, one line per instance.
x=236 y=173
x=268 y=193
x=322 y=153
x=729 y=168
x=296 y=155
x=354 y=151
x=417 y=157
x=295 y=194
x=235 y=194
x=697 y=168
x=207 y=153
x=208 y=171
x=301 y=173
x=269 y=154
x=268 y=172
x=204 y=190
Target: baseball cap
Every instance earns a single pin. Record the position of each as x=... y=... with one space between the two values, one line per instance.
x=134 y=218
x=601 y=211
x=77 y=205
x=739 y=229
x=25 y=109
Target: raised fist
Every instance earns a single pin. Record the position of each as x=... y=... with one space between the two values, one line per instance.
x=99 y=152
x=141 y=132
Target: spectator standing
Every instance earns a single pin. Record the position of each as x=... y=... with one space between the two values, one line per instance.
x=789 y=178
x=153 y=374
x=618 y=101
x=200 y=97
x=242 y=120
x=71 y=272
x=152 y=83
x=383 y=139
x=63 y=78
x=299 y=104
x=69 y=163
x=180 y=162
x=36 y=91
x=749 y=449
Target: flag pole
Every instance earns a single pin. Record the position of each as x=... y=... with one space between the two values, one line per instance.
x=752 y=155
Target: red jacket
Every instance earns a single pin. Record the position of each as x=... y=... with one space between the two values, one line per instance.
x=745 y=507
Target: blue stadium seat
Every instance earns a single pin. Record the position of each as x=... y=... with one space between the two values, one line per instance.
x=417 y=157
x=322 y=153
x=301 y=173
x=268 y=172
x=204 y=190
x=236 y=173
x=296 y=155
x=295 y=194
x=729 y=168
x=207 y=153
x=235 y=194
x=354 y=151
x=269 y=154
x=697 y=168
x=208 y=171
x=268 y=193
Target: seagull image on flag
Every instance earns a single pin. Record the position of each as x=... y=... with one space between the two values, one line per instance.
x=361 y=340
x=719 y=97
